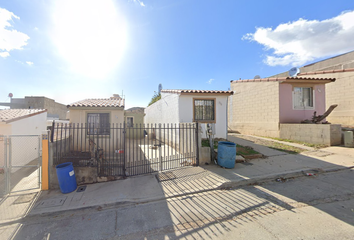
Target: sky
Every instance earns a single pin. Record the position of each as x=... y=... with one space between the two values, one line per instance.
x=70 y=50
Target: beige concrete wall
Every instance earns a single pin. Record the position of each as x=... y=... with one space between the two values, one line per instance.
x=328 y=134
x=340 y=92
x=46 y=103
x=254 y=108
x=106 y=142
x=138 y=120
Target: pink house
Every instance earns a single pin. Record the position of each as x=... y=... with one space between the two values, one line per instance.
x=263 y=107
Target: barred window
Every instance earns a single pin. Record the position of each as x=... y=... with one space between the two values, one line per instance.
x=98 y=123
x=204 y=110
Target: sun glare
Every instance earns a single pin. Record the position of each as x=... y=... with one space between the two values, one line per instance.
x=90 y=35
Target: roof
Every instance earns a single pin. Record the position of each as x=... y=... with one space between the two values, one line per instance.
x=114 y=101
x=288 y=80
x=11 y=115
x=327 y=71
x=180 y=91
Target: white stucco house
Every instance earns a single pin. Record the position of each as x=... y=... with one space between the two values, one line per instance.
x=186 y=106
x=23 y=125
x=23 y=121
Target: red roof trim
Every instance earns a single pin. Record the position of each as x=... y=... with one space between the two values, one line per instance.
x=281 y=79
x=327 y=71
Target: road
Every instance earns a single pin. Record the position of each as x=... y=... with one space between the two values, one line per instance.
x=314 y=207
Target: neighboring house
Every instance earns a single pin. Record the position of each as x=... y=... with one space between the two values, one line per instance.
x=259 y=106
x=134 y=117
x=23 y=121
x=186 y=106
x=341 y=91
x=54 y=110
x=96 y=122
x=20 y=123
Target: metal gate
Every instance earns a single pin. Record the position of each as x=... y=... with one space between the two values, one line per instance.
x=119 y=150
x=20 y=163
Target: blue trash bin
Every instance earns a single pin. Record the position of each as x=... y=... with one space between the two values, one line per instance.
x=66 y=177
x=226 y=154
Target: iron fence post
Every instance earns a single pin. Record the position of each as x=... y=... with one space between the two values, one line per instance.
x=160 y=155
x=197 y=142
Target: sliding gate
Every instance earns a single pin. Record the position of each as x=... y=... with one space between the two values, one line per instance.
x=119 y=150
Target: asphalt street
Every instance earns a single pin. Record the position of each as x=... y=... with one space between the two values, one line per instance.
x=313 y=207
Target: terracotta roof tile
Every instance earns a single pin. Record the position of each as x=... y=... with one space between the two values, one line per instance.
x=100 y=102
x=10 y=115
x=282 y=79
x=327 y=71
x=195 y=91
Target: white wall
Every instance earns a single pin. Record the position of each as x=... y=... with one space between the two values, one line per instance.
x=164 y=110
x=24 y=148
x=33 y=125
x=186 y=112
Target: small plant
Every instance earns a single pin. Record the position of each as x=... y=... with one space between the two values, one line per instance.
x=155 y=98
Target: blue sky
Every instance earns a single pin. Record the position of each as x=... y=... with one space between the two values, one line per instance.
x=70 y=50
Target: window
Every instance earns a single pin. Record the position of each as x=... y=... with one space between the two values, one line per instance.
x=204 y=110
x=130 y=122
x=98 y=123
x=303 y=98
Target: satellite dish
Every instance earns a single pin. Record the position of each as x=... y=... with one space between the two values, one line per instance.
x=257 y=77
x=160 y=88
x=293 y=72
x=10 y=95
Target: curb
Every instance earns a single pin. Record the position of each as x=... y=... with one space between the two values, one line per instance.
x=223 y=186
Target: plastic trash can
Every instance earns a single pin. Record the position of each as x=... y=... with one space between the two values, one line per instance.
x=66 y=177
x=226 y=154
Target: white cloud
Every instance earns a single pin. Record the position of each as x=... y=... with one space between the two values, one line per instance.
x=10 y=39
x=139 y=2
x=301 y=41
x=210 y=80
x=29 y=63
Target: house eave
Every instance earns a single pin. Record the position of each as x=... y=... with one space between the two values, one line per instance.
x=306 y=81
x=96 y=108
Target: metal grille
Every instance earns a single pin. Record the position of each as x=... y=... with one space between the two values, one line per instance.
x=127 y=151
x=20 y=163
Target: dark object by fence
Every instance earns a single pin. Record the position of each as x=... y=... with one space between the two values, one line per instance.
x=66 y=177
x=226 y=154
x=320 y=118
x=126 y=151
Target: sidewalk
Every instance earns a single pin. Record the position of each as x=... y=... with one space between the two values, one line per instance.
x=155 y=187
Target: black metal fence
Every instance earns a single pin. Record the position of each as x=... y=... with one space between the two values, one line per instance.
x=126 y=151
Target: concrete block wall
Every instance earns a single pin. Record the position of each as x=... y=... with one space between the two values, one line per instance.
x=327 y=134
x=340 y=92
x=254 y=108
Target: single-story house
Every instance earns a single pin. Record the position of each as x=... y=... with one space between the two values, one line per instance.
x=187 y=106
x=97 y=114
x=262 y=106
x=95 y=124
x=341 y=91
x=134 y=117
x=22 y=124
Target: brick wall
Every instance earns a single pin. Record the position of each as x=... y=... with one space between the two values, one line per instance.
x=340 y=92
x=254 y=108
x=328 y=134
